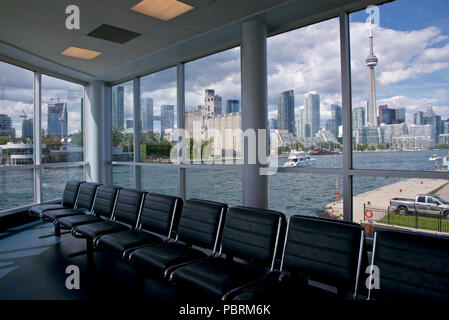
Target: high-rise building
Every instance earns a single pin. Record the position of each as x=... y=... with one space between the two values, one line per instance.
x=286 y=111
x=27 y=128
x=57 y=119
x=301 y=123
x=399 y=115
x=312 y=114
x=334 y=122
x=358 y=117
x=431 y=118
x=167 y=118
x=232 y=106
x=118 y=107
x=147 y=114
x=6 y=128
x=371 y=62
x=418 y=118
x=212 y=104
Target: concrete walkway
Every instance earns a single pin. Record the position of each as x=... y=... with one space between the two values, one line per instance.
x=380 y=198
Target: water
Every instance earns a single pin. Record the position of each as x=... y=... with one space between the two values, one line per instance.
x=289 y=192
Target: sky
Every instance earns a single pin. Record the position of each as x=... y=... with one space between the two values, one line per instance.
x=411 y=43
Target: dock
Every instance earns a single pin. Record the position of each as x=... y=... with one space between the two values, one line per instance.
x=380 y=198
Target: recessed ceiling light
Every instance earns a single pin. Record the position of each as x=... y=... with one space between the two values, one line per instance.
x=162 y=9
x=80 y=53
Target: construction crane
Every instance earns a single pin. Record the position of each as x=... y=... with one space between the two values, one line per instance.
x=24 y=116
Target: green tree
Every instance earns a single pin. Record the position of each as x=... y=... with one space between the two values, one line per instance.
x=77 y=139
x=442 y=146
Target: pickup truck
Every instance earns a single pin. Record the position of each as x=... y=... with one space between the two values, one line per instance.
x=423 y=203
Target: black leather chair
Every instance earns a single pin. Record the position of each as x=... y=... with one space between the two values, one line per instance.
x=86 y=196
x=249 y=234
x=124 y=217
x=101 y=210
x=68 y=199
x=411 y=265
x=154 y=224
x=200 y=225
x=328 y=251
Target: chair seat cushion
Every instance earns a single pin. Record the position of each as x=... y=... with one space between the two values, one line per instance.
x=45 y=207
x=216 y=275
x=92 y=230
x=123 y=240
x=59 y=213
x=164 y=255
x=77 y=220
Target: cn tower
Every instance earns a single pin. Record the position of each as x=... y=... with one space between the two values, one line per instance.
x=371 y=62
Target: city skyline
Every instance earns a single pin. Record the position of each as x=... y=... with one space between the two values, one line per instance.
x=413 y=70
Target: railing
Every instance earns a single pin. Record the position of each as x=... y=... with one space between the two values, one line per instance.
x=414 y=220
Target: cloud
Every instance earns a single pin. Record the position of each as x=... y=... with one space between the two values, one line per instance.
x=411 y=72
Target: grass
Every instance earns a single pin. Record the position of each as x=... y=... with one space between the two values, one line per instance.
x=424 y=223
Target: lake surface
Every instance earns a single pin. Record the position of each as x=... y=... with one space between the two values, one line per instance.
x=289 y=192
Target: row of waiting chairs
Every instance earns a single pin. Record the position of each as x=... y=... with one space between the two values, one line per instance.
x=248 y=253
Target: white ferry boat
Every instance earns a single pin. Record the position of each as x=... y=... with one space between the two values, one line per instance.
x=298 y=159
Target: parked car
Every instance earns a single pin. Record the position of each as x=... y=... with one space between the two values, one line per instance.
x=423 y=203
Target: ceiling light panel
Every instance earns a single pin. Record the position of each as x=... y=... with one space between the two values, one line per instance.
x=162 y=9
x=80 y=53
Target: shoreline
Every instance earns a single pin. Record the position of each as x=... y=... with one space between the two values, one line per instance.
x=380 y=197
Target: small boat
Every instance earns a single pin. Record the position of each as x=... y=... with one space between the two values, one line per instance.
x=298 y=159
x=434 y=157
x=318 y=151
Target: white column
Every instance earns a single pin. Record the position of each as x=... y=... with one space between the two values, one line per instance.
x=136 y=122
x=98 y=127
x=346 y=112
x=37 y=136
x=254 y=107
x=180 y=104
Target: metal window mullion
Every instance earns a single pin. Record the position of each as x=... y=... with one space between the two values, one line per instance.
x=37 y=141
x=136 y=127
x=84 y=132
x=345 y=60
x=180 y=105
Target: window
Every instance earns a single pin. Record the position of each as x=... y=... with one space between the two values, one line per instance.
x=16 y=116
x=158 y=112
x=215 y=185
x=304 y=94
x=54 y=180
x=391 y=201
x=61 y=111
x=291 y=194
x=399 y=87
x=160 y=179
x=213 y=108
x=123 y=176
x=122 y=122
x=17 y=188
x=62 y=123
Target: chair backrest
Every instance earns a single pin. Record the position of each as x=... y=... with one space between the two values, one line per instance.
x=252 y=234
x=200 y=223
x=86 y=195
x=127 y=206
x=158 y=213
x=411 y=265
x=105 y=201
x=325 y=250
x=71 y=193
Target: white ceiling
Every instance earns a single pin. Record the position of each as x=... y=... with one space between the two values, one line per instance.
x=38 y=27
